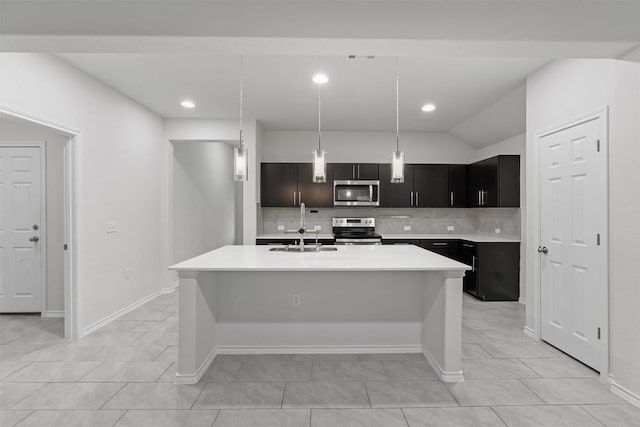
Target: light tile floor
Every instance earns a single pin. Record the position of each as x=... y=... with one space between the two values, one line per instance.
x=123 y=375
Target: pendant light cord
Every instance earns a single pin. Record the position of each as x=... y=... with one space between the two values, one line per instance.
x=241 y=93
x=319 y=110
x=397 y=104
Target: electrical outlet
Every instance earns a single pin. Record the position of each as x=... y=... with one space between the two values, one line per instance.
x=280 y=227
x=111 y=227
x=317 y=227
x=295 y=300
x=407 y=228
x=450 y=228
x=126 y=274
x=497 y=230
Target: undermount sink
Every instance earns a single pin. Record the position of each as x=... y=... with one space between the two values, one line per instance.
x=295 y=249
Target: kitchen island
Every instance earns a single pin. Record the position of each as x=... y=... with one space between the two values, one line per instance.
x=357 y=299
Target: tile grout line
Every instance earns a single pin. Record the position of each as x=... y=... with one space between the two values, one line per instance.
x=498 y=415
x=404 y=416
x=114 y=395
x=204 y=385
x=216 y=417
x=120 y=417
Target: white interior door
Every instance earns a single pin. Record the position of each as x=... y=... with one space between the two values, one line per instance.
x=572 y=260
x=20 y=230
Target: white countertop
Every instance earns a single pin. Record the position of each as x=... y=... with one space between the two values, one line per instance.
x=477 y=238
x=346 y=258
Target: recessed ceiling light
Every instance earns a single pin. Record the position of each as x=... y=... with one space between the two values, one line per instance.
x=320 y=78
x=427 y=108
x=188 y=104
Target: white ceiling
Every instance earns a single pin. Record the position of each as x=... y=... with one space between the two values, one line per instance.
x=470 y=57
x=278 y=90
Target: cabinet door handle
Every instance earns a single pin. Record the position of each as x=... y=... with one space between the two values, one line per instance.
x=358 y=171
x=299 y=198
x=417 y=198
x=451 y=196
x=353 y=171
x=479 y=201
x=439 y=243
x=466 y=245
x=473 y=264
x=294 y=198
x=412 y=198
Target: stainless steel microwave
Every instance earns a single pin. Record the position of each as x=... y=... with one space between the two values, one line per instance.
x=356 y=193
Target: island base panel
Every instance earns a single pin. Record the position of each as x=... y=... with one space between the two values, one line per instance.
x=206 y=329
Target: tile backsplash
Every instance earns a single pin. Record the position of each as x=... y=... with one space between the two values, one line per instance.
x=394 y=221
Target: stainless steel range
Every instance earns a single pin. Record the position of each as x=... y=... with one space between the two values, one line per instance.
x=355 y=231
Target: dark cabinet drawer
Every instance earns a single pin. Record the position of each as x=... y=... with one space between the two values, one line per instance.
x=448 y=248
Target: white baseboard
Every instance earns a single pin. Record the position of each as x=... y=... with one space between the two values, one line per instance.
x=128 y=309
x=529 y=332
x=447 y=377
x=624 y=393
x=52 y=313
x=521 y=300
x=228 y=349
x=195 y=377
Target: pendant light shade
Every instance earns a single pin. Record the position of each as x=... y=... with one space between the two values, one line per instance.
x=397 y=167
x=319 y=167
x=397 y=157
x=240 y=154
x=319 y=163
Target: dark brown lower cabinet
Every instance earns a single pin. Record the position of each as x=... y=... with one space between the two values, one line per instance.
x=495 y=274
x=495 y=266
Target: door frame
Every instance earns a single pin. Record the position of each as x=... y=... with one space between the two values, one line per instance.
x=43 y=212
x=70 y=203
x=603 y=350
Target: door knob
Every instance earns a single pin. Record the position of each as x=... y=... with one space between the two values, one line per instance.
x=543 y=249
x=34 y=239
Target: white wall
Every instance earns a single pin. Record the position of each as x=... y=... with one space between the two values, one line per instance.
x=204 y=198
x=566 y=90
x=11 y=131
x=514 y=145
x=228 y=131
x=121 y=177
x=373 y=147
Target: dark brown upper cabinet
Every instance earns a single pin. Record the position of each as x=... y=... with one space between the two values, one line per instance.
x=355 y=171
x=457 y=186
x=430 y=186
x=494 y=182
x=396 y=195
x=289 y=184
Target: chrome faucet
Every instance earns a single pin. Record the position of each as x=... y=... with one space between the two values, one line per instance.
x=303 y=226
x=303 y=229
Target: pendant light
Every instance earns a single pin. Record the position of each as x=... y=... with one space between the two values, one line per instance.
x=319 y=163
x=240 y=154
x=397 y=157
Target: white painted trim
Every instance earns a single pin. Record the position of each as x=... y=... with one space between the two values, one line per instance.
x=521 y=300
x=387 y=349
x=195 y=377
x=530 y=332
x=42 y=231
x=447 y=377
x=70 y=212
x=128 y=309
x=52 y=313
x=602 y=115
x=623 y=392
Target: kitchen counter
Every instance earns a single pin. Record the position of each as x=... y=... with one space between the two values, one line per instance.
x=358 y=299
x=346 y=258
